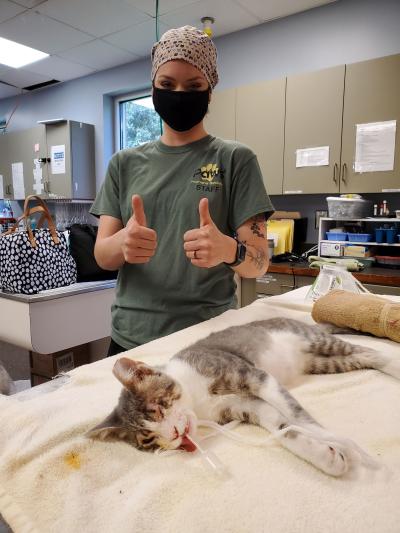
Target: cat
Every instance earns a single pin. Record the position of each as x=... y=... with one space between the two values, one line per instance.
x=239 y=373
x=6 y=383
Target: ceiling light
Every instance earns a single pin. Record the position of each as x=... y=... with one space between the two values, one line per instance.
x=207 y=25
x=18 y=55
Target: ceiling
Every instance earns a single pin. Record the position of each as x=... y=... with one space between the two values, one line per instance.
x=85 y=36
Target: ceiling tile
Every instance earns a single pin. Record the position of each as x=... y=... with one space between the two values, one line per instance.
x=29 y=3
x=42 y=33
x=98 y=55
x=229 y=16
x=55 y=67
x=20 y=77
x=7 y=90
x=8 y=10
x=164 y=5
x=274 y=9
x=137 y=39
x=97 y=17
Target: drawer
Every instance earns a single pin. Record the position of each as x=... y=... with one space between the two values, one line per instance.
x=274 y=284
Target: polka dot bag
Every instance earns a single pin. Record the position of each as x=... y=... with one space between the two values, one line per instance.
x=33 y=260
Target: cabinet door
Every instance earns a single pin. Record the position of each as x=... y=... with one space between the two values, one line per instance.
x=220 y=119
x=260 y=122
x=371 y=95
x=5 y=166
x=22 y=148
x=314 y=103
x=58 y=137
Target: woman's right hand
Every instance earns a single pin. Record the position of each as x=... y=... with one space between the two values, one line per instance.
x=139 y=242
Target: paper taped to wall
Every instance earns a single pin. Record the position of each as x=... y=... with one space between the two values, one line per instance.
x=375 y=146
x=1 y=187
x=17 y=171
x=58 y=159
x=317 y=156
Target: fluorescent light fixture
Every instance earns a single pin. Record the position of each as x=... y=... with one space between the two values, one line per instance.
x=18 y=55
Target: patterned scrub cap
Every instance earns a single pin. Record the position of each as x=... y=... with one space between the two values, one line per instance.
x=190 y=44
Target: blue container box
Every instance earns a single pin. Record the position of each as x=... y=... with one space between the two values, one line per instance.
x=359 y=237
x=336 y=236
x=380 y=235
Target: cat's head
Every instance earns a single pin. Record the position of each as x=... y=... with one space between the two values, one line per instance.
x=149 y=414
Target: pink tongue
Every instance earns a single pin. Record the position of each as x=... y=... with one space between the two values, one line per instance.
x=187 y=445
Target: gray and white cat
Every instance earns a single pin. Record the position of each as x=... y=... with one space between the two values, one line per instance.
x=238 y=374
x=6 y=383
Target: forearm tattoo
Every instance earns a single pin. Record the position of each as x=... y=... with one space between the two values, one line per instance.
x=257 y=224
x=257 y=256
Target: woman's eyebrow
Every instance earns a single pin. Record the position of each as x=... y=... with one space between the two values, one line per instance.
x=164 y=76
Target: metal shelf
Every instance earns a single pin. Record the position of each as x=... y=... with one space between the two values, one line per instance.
x=364 y=243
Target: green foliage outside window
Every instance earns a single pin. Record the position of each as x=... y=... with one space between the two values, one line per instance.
x=139 y=123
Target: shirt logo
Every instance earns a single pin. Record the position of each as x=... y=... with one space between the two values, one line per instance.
x=206 y=178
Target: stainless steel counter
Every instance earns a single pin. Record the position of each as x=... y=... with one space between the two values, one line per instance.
x=62 y=292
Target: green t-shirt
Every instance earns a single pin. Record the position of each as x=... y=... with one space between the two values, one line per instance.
x=169 y=293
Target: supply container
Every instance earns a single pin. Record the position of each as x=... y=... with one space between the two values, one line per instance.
x=359 y=237
x=391 y=235
x=336 y=236
x=380 y=235
x=343 y=208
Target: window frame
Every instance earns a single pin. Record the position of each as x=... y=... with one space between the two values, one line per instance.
x=137 y=95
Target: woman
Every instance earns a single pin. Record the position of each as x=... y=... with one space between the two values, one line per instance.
x=180 y=215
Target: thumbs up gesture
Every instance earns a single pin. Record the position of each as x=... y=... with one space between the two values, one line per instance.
x=139 y=242
x=206 y=246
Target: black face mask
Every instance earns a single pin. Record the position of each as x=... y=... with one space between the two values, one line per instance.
x=181 y=110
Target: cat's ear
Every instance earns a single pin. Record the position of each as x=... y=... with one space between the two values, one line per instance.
x=130 y=372
x=110 y=428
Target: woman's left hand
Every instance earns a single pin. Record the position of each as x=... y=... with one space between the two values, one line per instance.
x=206 y=246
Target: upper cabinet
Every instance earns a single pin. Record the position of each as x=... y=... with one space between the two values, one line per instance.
x=253 y=115
x=220 y=119
x=304 y=128
x=260 y=123
x=314 y=103
x=55 y=161
x=372 y=94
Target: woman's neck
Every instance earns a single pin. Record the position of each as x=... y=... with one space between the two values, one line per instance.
x=172 y=137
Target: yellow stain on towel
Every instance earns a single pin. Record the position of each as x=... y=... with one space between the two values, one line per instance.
x=73 y=460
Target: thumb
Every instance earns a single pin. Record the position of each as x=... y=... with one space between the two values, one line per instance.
x=138 y=210
x=205 y=217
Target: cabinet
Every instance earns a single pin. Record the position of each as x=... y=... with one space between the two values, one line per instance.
x=314 y=103
x=253 y=115
x=36 y=148
x=371 y=95
x=323 y=109
x=260 y=123
x=220 y=119
x=22 y=147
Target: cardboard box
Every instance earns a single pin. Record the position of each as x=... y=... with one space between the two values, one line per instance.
x=357 y=250
x=331 y=249
x=46 y=366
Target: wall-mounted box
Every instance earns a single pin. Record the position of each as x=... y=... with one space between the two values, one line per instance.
x=55 y=160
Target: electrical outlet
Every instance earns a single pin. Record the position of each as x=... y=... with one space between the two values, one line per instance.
x=318 y=215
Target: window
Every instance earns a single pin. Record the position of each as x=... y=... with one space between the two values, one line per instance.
x=137 y=122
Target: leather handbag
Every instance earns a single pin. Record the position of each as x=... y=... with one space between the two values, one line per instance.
x=33 y=260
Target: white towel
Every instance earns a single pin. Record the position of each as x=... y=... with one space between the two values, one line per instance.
x=54 y=480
